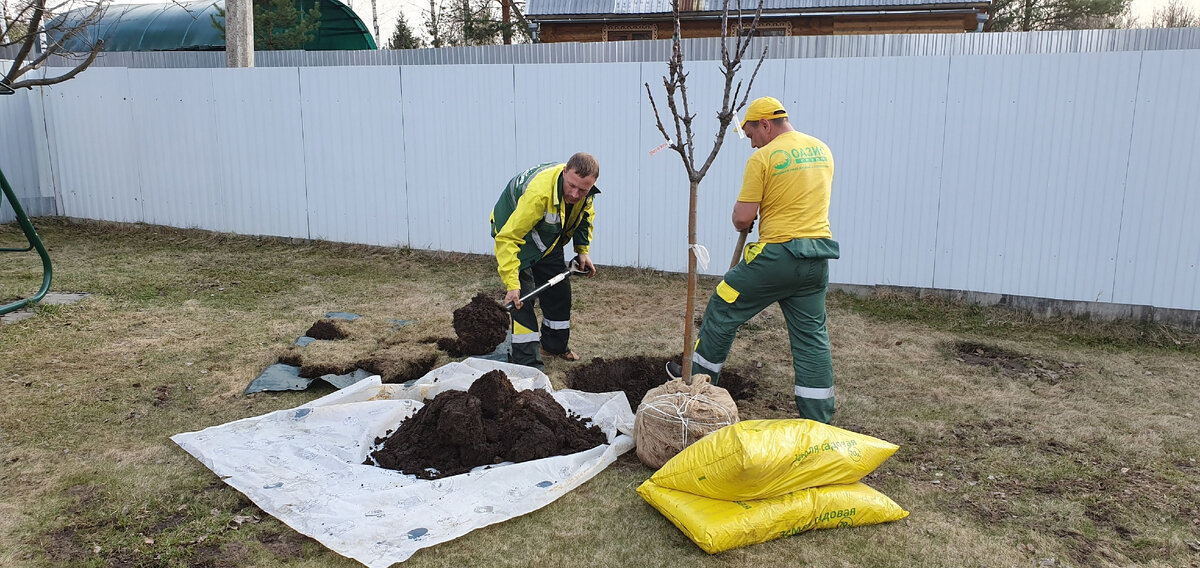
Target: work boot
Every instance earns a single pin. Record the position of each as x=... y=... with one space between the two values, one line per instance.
x=674 y=370
x=568 y=355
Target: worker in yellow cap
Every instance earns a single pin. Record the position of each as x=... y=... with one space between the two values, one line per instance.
x=787 y=185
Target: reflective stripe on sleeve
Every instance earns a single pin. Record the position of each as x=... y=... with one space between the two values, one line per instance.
x=555 y=324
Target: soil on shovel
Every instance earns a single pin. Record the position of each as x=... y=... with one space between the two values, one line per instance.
x=481 y=326
x=637 y=375
x=490 y=423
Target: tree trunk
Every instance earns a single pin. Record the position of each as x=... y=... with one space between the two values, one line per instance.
x=4 y=21
x=506 y=17
x=689 y=317
x=375 y=22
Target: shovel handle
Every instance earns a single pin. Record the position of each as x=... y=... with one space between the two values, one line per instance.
x=572 y=268
x=737 y=250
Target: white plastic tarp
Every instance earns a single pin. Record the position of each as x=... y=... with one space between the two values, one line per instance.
x=305 y=465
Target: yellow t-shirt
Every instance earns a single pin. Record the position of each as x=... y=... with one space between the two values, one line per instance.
x=790 y=178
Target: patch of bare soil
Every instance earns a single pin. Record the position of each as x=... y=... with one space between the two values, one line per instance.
x=287 y=544
x=327 y=329
x=490 y=423
x=635 y=376
x=212 y=555
x=64 y=547
x=1010 y=362
x=480 y=327
x=162 y=396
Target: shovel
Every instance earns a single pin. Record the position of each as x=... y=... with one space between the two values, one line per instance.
x=737 y=249
x=572 y=268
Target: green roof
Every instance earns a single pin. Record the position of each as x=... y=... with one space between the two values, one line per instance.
x=187 y=26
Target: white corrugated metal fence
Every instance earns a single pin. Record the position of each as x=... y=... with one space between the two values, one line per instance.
x=1066 y=176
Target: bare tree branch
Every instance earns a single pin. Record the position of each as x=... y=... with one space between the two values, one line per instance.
x=30 y=37
x=657 y=120
x=29 y=83
x=66 y=24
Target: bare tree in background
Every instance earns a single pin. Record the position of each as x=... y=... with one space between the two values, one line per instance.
x=451 y=23
x=1175 y=14
x=683 y=142
x=24 y=24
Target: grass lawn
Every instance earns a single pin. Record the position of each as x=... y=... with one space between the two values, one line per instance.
x=1024 y=442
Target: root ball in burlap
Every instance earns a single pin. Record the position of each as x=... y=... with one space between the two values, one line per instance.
x=674 y=415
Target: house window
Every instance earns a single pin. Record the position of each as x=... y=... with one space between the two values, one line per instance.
x=764 y=29
x=630 y=33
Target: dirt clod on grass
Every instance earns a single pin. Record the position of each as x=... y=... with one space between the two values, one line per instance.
x=1009 y=362
x=490 y=423
x=481 y=326
x=637 y=375
x=327 y=329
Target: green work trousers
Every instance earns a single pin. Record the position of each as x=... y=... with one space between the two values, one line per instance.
x=555 y=301
x=795 y=274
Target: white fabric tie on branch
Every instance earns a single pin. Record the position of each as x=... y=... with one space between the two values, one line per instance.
x=701 y=255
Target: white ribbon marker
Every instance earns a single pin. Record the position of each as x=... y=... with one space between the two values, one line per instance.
x=701 y=255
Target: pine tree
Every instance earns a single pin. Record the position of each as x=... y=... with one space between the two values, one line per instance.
x=278 y=24
x=403 y=37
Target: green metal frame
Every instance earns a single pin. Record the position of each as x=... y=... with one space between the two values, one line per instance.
x=35 y=242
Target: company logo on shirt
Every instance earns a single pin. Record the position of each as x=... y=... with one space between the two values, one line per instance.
x=780 y=159
x=783 y=161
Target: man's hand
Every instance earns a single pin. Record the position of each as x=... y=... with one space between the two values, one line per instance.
x=585 y=264
x=513 y=297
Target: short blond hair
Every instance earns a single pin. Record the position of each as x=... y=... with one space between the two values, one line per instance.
x=584 y=165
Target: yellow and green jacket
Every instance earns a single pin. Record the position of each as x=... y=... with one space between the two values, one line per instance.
x=530 y=220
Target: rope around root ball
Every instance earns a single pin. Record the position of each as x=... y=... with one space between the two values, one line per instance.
x=674 y=415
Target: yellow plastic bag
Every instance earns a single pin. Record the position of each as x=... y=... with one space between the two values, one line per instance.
x=758 y=459
x=716 y=525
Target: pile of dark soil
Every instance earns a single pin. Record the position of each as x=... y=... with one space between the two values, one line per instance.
x=488 y=424
x=637 y=375
x=327 y=329
x=481 y=326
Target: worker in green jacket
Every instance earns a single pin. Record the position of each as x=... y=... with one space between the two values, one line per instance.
x=540 y=210
x=787 y=185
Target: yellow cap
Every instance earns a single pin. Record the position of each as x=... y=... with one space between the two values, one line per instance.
x=763 y=107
